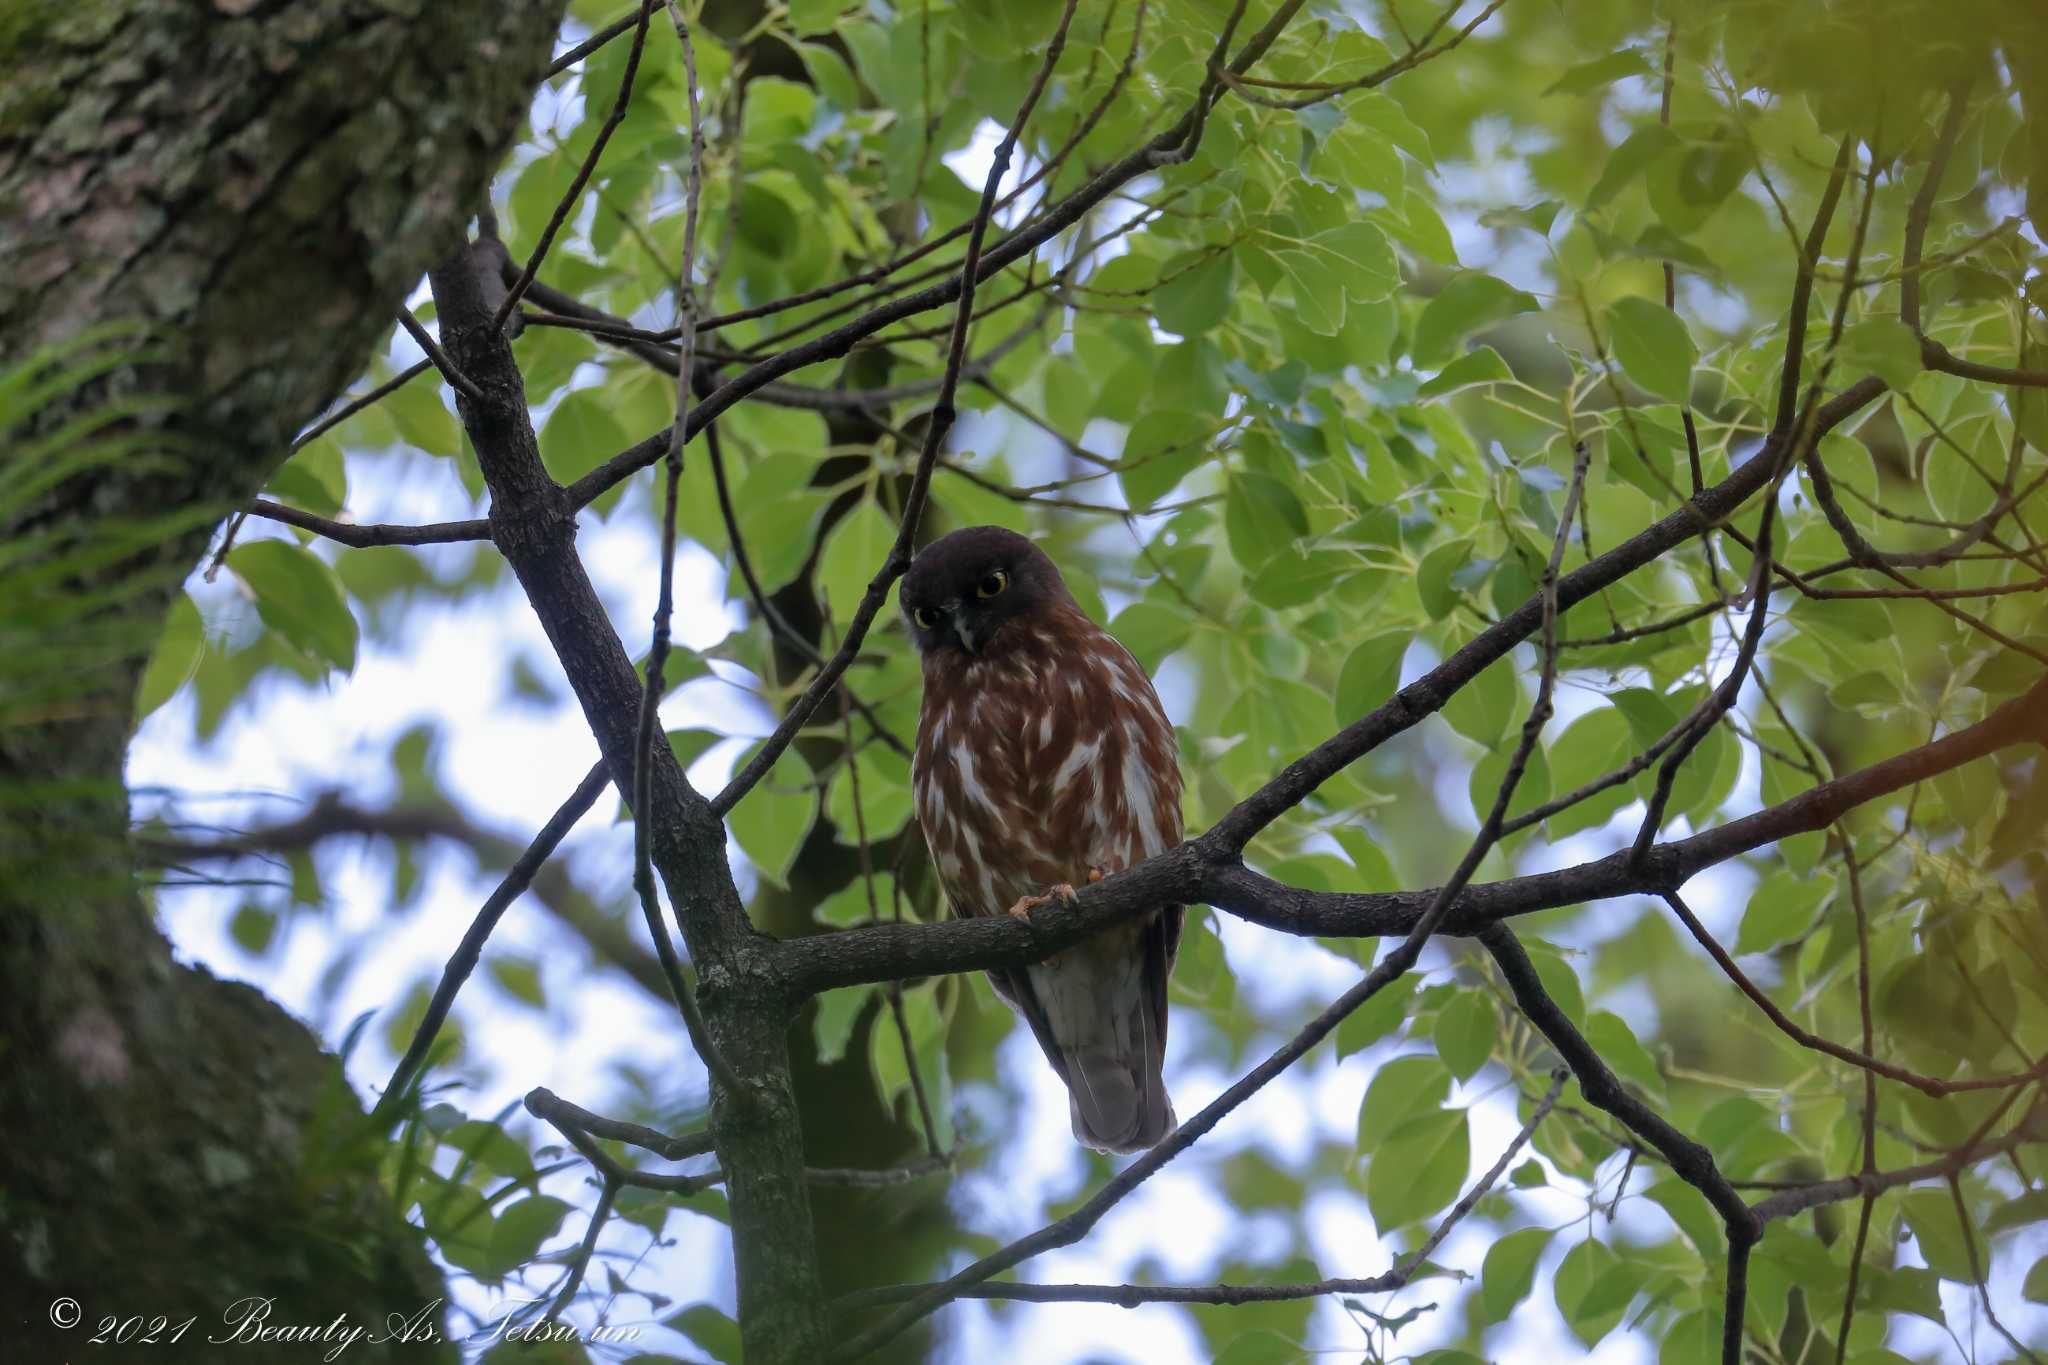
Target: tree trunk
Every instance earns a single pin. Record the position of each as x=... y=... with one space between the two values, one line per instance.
x=247 y=191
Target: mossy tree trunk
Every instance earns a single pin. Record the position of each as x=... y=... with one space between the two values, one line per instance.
x=247 y=190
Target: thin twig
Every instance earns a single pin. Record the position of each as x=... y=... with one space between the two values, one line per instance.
x=466 y=954
x=1132 y=1295
x=650 y=697
x=583 y=172
x=360 y=536
x=425 y=341
x=356 y=405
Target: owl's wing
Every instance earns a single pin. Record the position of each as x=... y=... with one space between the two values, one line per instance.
x=1015 y=989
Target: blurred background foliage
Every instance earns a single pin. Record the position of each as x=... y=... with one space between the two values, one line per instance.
x=1297 y=418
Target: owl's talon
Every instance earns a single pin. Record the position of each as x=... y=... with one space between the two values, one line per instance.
x=1059 y=891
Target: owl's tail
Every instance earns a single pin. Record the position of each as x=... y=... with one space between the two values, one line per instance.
x=1118 y=1100
x=1105 y=1022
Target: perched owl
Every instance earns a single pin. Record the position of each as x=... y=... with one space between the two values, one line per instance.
x=1044 y=759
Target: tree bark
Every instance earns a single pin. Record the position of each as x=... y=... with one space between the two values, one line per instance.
x=246 y=191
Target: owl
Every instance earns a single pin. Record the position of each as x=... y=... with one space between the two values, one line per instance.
x=1044 y=759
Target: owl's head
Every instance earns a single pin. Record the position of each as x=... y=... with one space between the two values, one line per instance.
x=963 y=587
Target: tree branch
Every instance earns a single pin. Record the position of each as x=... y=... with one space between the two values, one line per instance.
x=362 y=537
x=1203 y=871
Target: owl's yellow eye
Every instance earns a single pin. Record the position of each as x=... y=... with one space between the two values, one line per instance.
x=926 y=618
x=992 y=583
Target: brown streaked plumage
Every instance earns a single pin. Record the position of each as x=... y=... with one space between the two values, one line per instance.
x=1044 y=760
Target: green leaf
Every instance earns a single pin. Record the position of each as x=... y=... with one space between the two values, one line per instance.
x=1318 y=290
x=853 y=553
x=1480 y=365
x=1612 y=1038
x=1261 y=516
x=519 y=978
x=519 y=1231
x=1653 y=346
x=1465 y=1033
x=1363 y=255
x=1401 y=1090
x=1578 y=1274
x=1418 y=1169
x=1198 y=296
x=175 y=658
x=1484 y=709
x=1376 y=1018
x=1260 y=1346
x=711 y=1330
x=1151 y=631
x=1371 y=870
x=833 y=1020
x=422 y=419
x=814 y=16
x=1509 y=1270
x=1560 y=980
x=927 y=1027
x=1931 y=1214
x=313 y=478
x=1433 y=578
x=2031 y=1207
x=1467 y=302
x=1371 y=673
x=1885 y=347
x=1630 y=160
x=298 y=596
x=771 y=821
x=1781 y=907
x=1590 y=76
x=1489 y=773
x=1589 y=748
x=253 y=928
x=2035 y=1290
x=581 y=434
x=491 y=1147
x=1163 y=448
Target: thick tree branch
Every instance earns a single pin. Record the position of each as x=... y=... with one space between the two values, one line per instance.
x=1201 y=871
x=1692 y=1162
x=743 y=1002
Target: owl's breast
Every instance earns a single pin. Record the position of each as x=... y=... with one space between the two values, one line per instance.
x=1041 y=763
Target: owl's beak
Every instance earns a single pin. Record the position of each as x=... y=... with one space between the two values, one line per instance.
x=963 y=632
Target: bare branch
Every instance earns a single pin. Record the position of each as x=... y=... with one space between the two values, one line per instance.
x=467 y=953
x=457 y=380
x=361 y=537
x=1132 y=1295
x=1205 y=870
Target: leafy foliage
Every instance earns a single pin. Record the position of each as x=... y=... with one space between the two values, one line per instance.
x=1301 y=418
